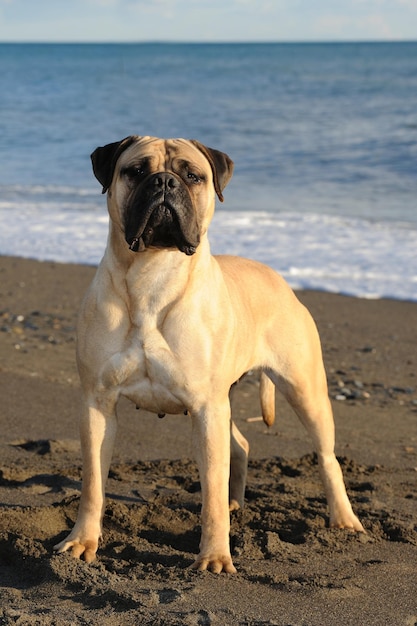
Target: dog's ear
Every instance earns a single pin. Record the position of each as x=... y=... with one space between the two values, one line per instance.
x=104 y=160
x=221 y=165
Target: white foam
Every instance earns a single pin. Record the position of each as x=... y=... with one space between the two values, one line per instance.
x=349 y=256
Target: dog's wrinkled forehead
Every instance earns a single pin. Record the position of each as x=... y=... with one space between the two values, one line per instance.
x=161 y=154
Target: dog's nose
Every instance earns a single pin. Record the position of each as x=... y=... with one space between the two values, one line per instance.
x=164 y=181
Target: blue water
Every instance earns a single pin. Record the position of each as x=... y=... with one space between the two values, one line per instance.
x=313 y=129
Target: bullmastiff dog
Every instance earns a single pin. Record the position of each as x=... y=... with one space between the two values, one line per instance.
x=171 y=327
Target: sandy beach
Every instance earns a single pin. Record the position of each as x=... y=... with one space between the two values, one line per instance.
x=292 y=569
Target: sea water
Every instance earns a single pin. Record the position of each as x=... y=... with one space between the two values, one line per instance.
x=323 y=137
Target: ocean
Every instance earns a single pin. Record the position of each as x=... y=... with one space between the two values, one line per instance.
x=323 y=136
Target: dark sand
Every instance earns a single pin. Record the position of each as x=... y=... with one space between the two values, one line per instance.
x=292 y=570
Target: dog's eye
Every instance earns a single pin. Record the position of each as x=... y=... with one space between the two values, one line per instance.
x=194 y=177
x=136 y=171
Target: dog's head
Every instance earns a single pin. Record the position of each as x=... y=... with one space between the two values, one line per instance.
x=161 y=192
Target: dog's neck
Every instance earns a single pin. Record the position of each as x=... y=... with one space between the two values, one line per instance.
x=169 y=272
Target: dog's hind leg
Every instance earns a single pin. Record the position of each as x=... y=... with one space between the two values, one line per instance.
x=316 y=415
x=312 y=405
x=303 y=382
x=239 y=451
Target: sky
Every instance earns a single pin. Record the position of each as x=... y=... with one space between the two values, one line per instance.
x=207 y=20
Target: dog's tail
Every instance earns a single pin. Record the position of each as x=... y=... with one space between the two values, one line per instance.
x=267 y=398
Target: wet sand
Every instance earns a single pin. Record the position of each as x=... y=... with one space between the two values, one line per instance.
x=292 y=570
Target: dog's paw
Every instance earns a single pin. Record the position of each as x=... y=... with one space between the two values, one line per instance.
x=234 y=505
x=349 y=522
x=215 y=564
x=78 y=548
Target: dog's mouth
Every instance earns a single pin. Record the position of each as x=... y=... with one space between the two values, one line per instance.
x=162 y=230
x=161 y=220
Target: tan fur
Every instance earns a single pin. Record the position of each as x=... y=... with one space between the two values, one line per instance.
x=173 y=332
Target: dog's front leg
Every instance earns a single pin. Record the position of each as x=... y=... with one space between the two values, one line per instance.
x=211 y=434
x=97 y=430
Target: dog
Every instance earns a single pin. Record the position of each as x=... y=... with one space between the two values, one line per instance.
x=171 y=327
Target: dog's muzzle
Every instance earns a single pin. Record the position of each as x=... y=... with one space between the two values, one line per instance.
x=161 y=215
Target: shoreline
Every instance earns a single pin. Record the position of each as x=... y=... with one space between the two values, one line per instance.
x=92 y=267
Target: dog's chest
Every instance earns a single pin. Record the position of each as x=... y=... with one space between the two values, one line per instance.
x=146 y=371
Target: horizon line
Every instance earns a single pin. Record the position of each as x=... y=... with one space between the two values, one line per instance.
x=208 y=42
